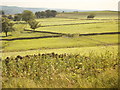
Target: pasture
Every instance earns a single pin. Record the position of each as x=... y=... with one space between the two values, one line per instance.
x=51 y=43
x=83 y=15
x=63 y=35
x=83 y=28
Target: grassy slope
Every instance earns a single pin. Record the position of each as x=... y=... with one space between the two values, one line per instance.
x=83 y=28
x=59 y=21
x=83 y=15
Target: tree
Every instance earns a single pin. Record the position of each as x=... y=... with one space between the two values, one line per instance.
x=18 y=17
x=36 y=14
x=33 y=24
x=53 y=13
x=2 y=12
x=91 y=16
x=27 y=15
x=7 y=26
x=48 y=13
x=10 y=17
x=42 y=14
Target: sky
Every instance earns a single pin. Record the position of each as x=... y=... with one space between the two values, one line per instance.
x=65 y=4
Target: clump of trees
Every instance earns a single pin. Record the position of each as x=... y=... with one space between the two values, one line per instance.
x=46 y=14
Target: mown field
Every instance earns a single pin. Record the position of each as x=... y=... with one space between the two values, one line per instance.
x=83 y=15
x=51 y=43
x=66 y=60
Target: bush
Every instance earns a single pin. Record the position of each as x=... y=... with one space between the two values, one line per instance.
x=91 y=16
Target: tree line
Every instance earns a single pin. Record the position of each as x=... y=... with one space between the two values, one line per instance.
x=46 y=14
x=19 y=17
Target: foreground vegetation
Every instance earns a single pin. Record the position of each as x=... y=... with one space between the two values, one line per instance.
x=61 y=71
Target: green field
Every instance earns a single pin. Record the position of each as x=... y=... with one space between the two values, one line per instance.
x=46 y=43
x=59 y=21
x=83 y=15
x=83 y=28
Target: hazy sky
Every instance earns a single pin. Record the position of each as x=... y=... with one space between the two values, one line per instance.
x=66 y=4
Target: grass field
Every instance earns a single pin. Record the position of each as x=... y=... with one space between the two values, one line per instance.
x=59 y=21
x=83 y=15
x=46 y=43
x=83 y=28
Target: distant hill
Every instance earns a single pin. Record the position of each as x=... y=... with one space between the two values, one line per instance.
x=15 y=9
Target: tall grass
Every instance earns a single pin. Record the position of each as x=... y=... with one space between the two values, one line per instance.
x=61 y=71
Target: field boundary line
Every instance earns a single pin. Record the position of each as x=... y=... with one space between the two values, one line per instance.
x=59 y=35
x=79 y=34
x=104 y=33
x=29 y=38
x=45 y=32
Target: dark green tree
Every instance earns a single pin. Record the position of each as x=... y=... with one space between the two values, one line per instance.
x=36 y=14
x=91 y=16
x=48 y=13
x=43 y=14
x=2 y=12
x=27 y=15
x=10 y=17
x=53 y=13
x=18 y=17
x=7 y=26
